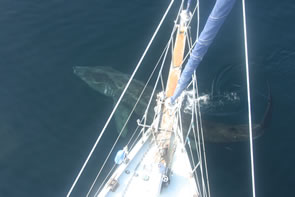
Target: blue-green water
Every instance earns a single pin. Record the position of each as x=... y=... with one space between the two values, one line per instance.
x=49 y=118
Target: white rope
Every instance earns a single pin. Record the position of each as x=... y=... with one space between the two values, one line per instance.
x=249 y=100
x=119 y=100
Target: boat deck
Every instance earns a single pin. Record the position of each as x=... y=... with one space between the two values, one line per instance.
x=140 y=175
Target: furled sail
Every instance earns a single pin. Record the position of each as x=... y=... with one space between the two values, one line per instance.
x=216 y=18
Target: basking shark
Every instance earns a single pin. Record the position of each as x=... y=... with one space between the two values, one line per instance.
x=111 y=83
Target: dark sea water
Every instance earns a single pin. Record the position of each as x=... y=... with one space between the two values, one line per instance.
x=49 y=118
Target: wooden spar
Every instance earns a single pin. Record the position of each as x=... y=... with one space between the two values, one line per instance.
x=175 y=68
x=160 y=152
x=164 y=138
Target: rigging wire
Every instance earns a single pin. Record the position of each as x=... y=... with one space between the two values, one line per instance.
x=133 y=144
x=159 y=75
x=192 y=127
x=249 y=99
x=195 y=86
x=165 y=49
x=202 y=132
x=198 y=148
x=198 y=18
x=205 y=190
x=125 y=91
x=187 y=141
x=119 y=100
x=107 y=177
x=188 y=4
x=157 y=81
x=195 y=172
x=164 y=53
x=163 y=62
x=135 y=105
x=164 y=59
x=197 y=114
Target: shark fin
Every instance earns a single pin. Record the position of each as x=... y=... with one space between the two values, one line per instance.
x=121 y=116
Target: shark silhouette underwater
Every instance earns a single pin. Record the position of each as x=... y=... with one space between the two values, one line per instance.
x=111 y=83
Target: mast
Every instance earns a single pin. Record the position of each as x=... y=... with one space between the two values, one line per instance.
x=159 y=155
x=166 y=137
x=178 y=53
